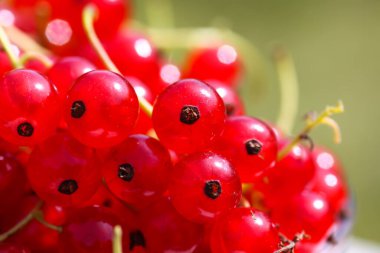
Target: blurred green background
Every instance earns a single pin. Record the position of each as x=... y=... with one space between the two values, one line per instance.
x=336 y=49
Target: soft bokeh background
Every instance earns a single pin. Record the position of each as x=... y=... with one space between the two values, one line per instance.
x=336 y=48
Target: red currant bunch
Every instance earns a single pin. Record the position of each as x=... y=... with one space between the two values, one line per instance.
x=106 y=145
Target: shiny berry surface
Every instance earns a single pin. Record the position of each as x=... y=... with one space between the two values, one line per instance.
x=63 y=171
x=29 y=108
x=218 y=63
x=137 y=170
x=250 y=144
x=90 y=229
x=203 y=185
x=66 y=70
x=101 y=109
x=165 y=230
x=188 y=116
x=244 y=230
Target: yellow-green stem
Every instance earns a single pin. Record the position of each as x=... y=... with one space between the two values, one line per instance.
x=39 y=217
x=8 y=49
x=288 y=82
x=21 y=223
x=330 y=110
x=88 y=18
x=46 y=61
x=117 y=240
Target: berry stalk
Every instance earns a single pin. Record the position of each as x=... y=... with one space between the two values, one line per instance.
x=5 y=42
x=88 y=18
x=117 y=240
x=321 y=119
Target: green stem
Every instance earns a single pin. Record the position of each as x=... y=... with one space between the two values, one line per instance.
x=288 y=89
x=46 y=61
x=21 y=223
x=330 y=110
x=88 y=18
x=39 y=217
x=117 y=239
x=8 y=49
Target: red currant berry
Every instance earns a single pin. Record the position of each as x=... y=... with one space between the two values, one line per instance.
x=90 y=229
x=137 y=171
x=244 y=230
x=203 y=185
x=307 y=211
x=188 y=116
x=66 y=70
x=218 y=63
x=62 y=171
x=101 y=109
x=164 y=230
x=250 y=144
x=13 y=248
x=29 y=108
x=234 y=106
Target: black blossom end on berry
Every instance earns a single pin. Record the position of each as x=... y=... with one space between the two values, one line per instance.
x=213 y=189
x=77 y=109
x=68 y=187
x=25 y=129
x=253 y=147
x=189 y=114
x=136 y=238
x=126 y=172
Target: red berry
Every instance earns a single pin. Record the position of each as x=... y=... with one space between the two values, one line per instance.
x=218 y=63
x=13 y=248
x=188 y=116
x=90 y=229
x=66 y=70
x=250 y=144
x=29 y=108
x=203 y=185
x=137 y=171
x=62 y=171
x=101 y=109
x=164 y=230
x=244 y=230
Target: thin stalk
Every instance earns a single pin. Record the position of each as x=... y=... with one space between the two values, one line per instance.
x=46 y=61
x=288 y=82
x=117 y=240
x=39 y=217
x=5 y=42
x=21 y=223
x=88 y=18
x=330 y=110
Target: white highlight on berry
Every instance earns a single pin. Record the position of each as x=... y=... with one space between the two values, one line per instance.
x=258 y=221
x=6 y=18
x=331 y=180
x=318 y=204
x=143 y=48
x=227 y=54
x=170 y=73
x=58 y=32
x=325 y=161
x=39 y=86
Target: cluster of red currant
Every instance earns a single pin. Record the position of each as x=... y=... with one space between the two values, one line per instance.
x=83 y=169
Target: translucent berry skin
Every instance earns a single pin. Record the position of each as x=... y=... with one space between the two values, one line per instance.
x=289 y=177
x=13 y=181
x=165 y=230
x=66 y=70
x=234 y=106
x=234 y=144
x=90 y=229
x=219 y=63
x=203 y=185
x=138 y=170
x=328 y=179
x=244 y=230
x=62 y=171
x=29 y=108
x=101 y=109
x=307 y=211
x=197 y=130
x=13 y=248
